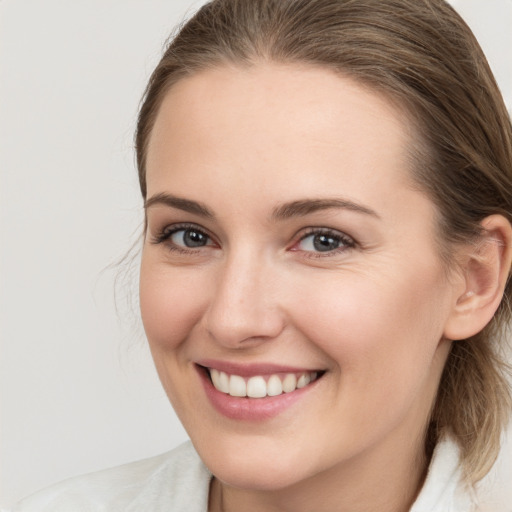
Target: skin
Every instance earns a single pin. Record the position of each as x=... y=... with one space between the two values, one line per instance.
x=372 y=314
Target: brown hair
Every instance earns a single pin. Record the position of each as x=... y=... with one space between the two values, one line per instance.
x=423 y=56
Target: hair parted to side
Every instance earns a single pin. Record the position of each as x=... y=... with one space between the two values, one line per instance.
x=423 y=57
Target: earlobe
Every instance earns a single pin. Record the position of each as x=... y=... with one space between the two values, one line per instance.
x=486 y=269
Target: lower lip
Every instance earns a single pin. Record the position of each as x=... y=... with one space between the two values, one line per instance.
x=250 y=409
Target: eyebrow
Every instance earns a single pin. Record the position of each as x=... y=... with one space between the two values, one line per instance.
x=285 y=211
x=180 y=203
x=307 y=206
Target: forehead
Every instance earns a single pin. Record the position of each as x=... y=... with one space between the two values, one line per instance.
x=270 y=121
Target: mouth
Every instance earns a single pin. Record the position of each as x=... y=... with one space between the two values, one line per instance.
x=255 y=392
x=260 y=386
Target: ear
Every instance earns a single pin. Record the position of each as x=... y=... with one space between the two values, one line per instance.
x=485 y=271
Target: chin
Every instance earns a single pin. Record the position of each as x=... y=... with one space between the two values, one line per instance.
x=267 y=465
x=271 y=475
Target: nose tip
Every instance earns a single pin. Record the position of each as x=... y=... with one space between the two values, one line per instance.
x=244 y=310
x=236 y=327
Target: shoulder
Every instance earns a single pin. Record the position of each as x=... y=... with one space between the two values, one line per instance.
x=176 y=480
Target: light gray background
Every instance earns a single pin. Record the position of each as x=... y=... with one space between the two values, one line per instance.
x=78 y=390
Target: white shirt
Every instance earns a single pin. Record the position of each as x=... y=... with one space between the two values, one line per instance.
x=178 y=481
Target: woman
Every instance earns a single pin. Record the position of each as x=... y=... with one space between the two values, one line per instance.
x=327 y=246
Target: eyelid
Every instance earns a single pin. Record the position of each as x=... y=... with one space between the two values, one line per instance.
x=348 y=241
x=164 y=234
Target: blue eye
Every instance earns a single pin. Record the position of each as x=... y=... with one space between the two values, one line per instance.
x=324 y=241
x=190 y=238
x=183 y=238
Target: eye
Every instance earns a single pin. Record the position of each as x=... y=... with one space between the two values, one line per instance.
x=189 y=238
x=183 y=238
x=323 y=241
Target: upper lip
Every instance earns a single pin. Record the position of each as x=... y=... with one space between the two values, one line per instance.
x=251 y=369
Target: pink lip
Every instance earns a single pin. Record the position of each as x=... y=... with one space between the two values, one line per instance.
x=250 y=370
x=250 y=409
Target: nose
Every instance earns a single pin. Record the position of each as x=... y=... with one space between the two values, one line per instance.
x=244 y=309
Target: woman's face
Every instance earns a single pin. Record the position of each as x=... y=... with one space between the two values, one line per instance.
x=286 y=243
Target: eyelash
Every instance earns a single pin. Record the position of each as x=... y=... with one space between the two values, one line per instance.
x=166 y=233
x=346 y=242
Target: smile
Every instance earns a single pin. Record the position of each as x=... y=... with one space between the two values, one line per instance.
x=260 y=386
x=255 y=392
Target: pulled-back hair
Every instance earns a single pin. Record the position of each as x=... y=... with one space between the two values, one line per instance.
x=423 y=57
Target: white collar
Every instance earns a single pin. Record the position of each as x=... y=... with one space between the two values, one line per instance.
x=444 y=489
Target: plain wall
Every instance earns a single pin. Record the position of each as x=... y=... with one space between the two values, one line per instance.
x=78 y=390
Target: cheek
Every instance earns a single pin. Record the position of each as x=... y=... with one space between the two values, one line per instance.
x=381 y=338
x=171 y=303
x=380 y=331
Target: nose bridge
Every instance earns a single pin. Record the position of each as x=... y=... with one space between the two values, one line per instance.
x=243 y=306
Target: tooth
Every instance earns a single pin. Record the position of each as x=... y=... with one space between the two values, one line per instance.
x=237 y=386
x=274 y=386
x=223 y=382
x=303 y=380
x=214 y=374
x=289 y=383
x=256 y=387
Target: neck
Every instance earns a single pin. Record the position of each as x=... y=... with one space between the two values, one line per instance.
x=380 y=480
